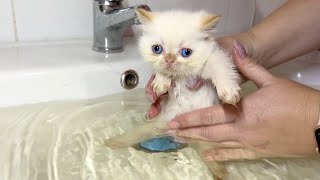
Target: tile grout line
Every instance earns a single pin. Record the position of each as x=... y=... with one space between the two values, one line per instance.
x=14 y=21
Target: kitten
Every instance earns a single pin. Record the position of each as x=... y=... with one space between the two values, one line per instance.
x=181 y=48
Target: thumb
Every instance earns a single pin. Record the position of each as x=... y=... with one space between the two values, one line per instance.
x=248 y=67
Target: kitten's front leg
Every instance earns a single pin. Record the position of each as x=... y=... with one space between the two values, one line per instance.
x=221 y=70
x=161 y=84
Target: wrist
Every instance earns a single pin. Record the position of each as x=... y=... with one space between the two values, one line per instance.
x=317 y=127
x=309 y=120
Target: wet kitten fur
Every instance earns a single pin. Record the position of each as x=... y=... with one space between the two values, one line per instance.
x=175 y=30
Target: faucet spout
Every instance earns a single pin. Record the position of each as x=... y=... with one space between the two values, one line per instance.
x=110 y=23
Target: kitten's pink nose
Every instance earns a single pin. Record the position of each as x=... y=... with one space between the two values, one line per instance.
x=170 y=58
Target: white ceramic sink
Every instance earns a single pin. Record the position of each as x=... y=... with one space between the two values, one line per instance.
x=41 y=72
x=305 y=70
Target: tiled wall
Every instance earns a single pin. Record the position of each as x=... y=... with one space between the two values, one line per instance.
x=265 y=7
x=34 y=20
x=6 y=22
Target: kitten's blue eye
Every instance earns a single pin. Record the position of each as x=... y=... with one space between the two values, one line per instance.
x=185 y=52
x=157 y=49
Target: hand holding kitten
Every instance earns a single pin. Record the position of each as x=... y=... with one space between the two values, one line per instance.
x=276 y=120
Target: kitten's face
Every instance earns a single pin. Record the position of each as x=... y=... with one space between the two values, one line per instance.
x=176 y=43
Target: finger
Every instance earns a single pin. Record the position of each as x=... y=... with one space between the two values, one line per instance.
x=250 y=69
x=218 y=133
x=206 y=143
x=151 y=95
x=231 y=144
x=228 y=154
x=218 y=114
x=154 y=110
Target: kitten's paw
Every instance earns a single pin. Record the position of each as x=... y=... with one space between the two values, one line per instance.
x=161 y=85
x=229 y=94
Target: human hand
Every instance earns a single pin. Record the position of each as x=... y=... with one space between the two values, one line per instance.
x=278 y=119
x=246 y=39
x=155 y=108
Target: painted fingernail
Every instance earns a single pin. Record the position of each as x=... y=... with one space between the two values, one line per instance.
x=208 y=158
x=240 y=49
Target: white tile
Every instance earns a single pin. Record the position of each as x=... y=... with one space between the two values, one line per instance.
x=215 y=7
x=236 y=14
x=264 y=8
x=240 y=16
x=128 y=3
x=236 y=17
x=53 y=20
x=160 y=5
x=134 y=2
x=212 y=6
x=6 y=22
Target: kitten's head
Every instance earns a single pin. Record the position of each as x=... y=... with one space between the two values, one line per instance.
x=177 y=43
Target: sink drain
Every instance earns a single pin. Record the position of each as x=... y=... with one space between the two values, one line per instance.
x=129 y=79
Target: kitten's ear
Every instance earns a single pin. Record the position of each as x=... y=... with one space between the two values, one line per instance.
x=209 y=21
x=144 y=16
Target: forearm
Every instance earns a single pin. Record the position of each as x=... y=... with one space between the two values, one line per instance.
x=289 y=32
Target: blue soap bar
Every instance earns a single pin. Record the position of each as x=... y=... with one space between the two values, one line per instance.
x=161 y=144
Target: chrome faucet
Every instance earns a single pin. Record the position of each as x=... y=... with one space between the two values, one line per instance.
x=110 y=21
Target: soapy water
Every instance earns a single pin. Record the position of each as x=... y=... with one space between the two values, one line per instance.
x=66 y=140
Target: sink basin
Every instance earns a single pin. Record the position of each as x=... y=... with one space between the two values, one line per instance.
x=304 y=70
x=41 y=72
x=68 y=70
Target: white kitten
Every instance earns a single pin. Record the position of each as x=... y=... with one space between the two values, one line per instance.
x=180 y=46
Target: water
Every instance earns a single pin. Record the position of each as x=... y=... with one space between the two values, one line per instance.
x=65 y=140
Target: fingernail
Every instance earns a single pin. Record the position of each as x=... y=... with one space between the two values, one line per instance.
x=147 y=116
x=173 y=125
x=150 y=115
x=240 y=49
x=208 y=158
x=171 y=132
